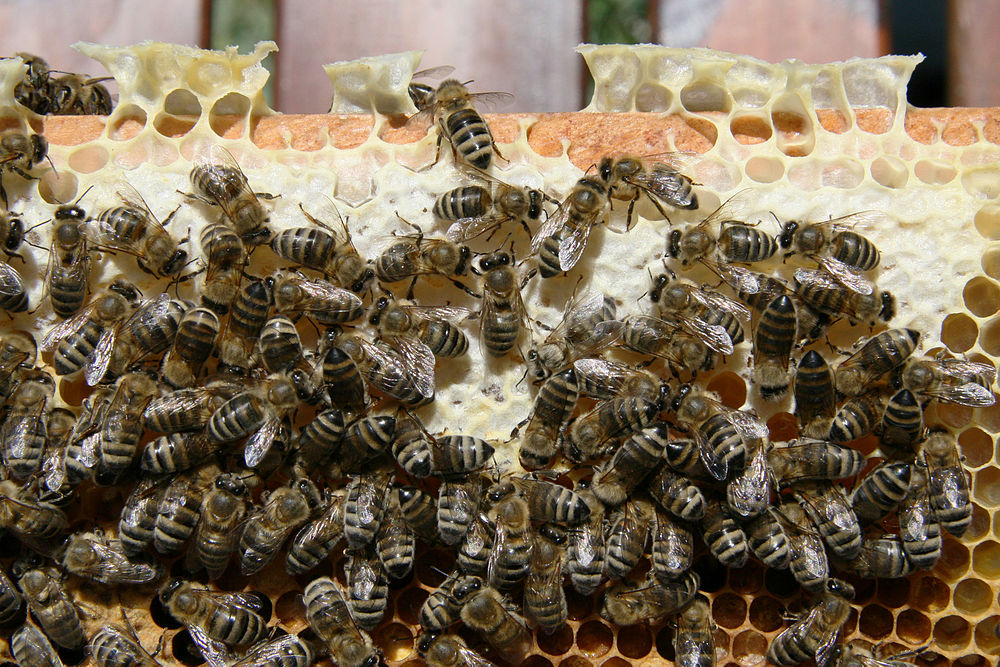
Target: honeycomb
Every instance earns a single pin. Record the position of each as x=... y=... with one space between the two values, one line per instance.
x=810 y=140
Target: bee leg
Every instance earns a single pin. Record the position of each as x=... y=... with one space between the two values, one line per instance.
x=267 y=195
x=496 y=151
x=171 y=217
x=409 y=292
x=464 y=288
x=198 y=198
x=3 y=194
x=656 y=203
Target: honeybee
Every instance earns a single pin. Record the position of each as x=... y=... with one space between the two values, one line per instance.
x=415 y=256
x=87 y=339
x=132 y=228
x=881 y=490
x=285 y=509
x=507 y=562
x=225 y=257
x=188 y=409
x=544 y=596
x=723 y=435
x=474 y=210
x=856 y=654
x=283 y=651
x=814 y=635
x=222 y=513
x=650 y=602
x=902 y=426
x=32 y=90
x=676 y=494
x=93 y=557
x=628 y=178
x=459 y=454
x=879 y=355
x=366 y=439
x=626 y=537
x=419 y=333
x=179 y=509
x=67 y=275
x=947 y=482
x=551 y=502
x=683 y=351
x=367 y=587
x=341 y=378
x=78 y=95
x=28 y=518
x=364 y=508
x=834 y=244
x=326 y=249
x=560 y=242
x=23 y=433
x=830 y=510
x=395 y=542
x=138 y=516
x=672 y=550
x=919 y=528
x=824 y=293
x=807 y=555
x=737 y=242
x=694 y=640
x=723 y=536
x=230 y=618
x=13 y=297
x=31 y=648
x=448 y=650
x=10 y=599
x=949 y=380
x=257 y=413
x=639 y=454
x=815 y=395
x=441 y=608
x=712 y=317
x=250 y=309
x=321 y=300
x=748 y=493
x=123 y=427
x=458 y=505
x=768 y=541
x=18 y=352
x=420 y=511
x=112 y=647
x=586 y=552
x=389 y=372
x=193 y=345
x=330 y=618
x=808 y=459
x=19 y=153
x=149 y=331
x=858 y=416
x=881 y=557
x=460 y=123
x=490 y=615
x=553 y=405
x=218 y=181
x=588 y=326
x=316 y=539
x=53 y=608
x=773 y=341
x=503 y=316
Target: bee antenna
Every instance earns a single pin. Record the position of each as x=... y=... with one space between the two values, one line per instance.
x=43 y=222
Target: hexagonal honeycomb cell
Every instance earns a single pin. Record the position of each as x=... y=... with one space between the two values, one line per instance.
x=812 y=141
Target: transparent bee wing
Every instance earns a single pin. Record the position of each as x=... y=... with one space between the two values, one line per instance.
x=115 y=565
x=716 y=467
x=970 y=394
x=216 y=653
x=131 y=198
x=326 y=212
x=499 y=548
x=17 y=442
x=552 y=225
x=747 y=424
x=734 y=209
x=438 y=72
x=666 y=183
x=749 y=492
x=54 y=470
x=826 y=648
x=259 y=444
x=97 y=366
x=10 y=281
x=718 y=301
x=275 y=652
x=713 y=335
x=585 y=307
x=148 y=315
x=326 y=297
x=962 y=369
x=492 y=100
x=363 y=579
x=439 y=313
x=89 y=451
x=35 y=643
x=739 y=278
x=417 y=361
x=607 y=376
x=572 y=246
x=66 y=327
x=862 y=219
x=465 y=229
x=469 y=658
x=846 y=275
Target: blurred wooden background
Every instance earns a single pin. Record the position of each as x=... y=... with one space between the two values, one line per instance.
x=526 y=46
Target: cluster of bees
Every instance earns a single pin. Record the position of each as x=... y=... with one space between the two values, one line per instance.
x=267 y=447
x=68 y=94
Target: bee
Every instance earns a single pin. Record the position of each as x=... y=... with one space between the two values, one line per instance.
x=390 y=372
x=902 y=426
x=222 y=512
x=286 y=509
x=413 y=256
x=364 y=508
x=824 y=293
x=320 y=439
x=18 y=352
x=321 y=300
x=149 y=331
x=768 y=541
x=814 y=634
x=561 y=241
x=28 y=518
x=344 y=384
x=53 y=608
x=257 y=413
x=808 y=459
x=508 y=559
x=188 y=409
x=475 y=210
x=830 y=510
x=551 y=502
x=712 y=317
x=588 y=326
x=947 y=482
x=283 y=651
x=458 y=505
x=180 y=508
x=856 y=654
x=694 y=640
x=748 y=493
x=493 y=618
x=676 y=494
x=919 y=528
x=93 y=557
x=419 y=333
x=327 y=250
x=628 y=178
x=133 y=229
x=230 y=618
x=19 y=153
x=78 y=95
x=544 y=596
x=626 y=538
x=395 y=541
x=279 y=345
x=460 y=123
x=13 y=297
x=586 y=551
x=650 y=602
x=476 y=548
x=879 y=355
x=858 y=416
x=23 y=432
x=808 y=562
x=669 y=341
x=459 y=454
x=881 y=490
x=411 y=446
x=111 y=647
x=123 y=426
x=330 y=618
x=31 y=648
x=193 y=345
x=833 y=243
x=949 y=380
x=10 y=600
x=502 y=317
x=367 y=587
x=881 y=557
x=422 y=94
x=249 y=313
x=68 y=271
x=365 y=439
x=773 y=341
x=442 y=607
x=553 y=406
x=723 y=536
x=32 y=90
x=723 y=434
x=448 y=650
x=637 y=456
x=736 y=242
x=138 y=516
x=316 y=539
x=225 y=257
x=219 y=181
x=420 y=511
x=672 y=548
x=87 y=339
x=815 y=395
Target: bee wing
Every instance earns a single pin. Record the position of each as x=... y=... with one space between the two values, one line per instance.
x=465 y=229
x=716 y=467
x=739 y=278
x=863 y=219
x=259 y=444
x=662 y=181
x=16 y=441
x=971 y=394
x=721 y=302
x=846 y=275
x=274 y=652
x=321 y=296
x=363 y=579
x=825 y=649
x=216 y=653
x=328 y=211
x=148 y=315
x=492 y=100
x=131 y=198
x=751 y=489
x=54 y=470
x=747 y=424
x=439 y=313
x=607 y=375
x=438 y=72
x=10 y=281
x=66 y=327
x=418 y=362
x=499 y=547
x=735 y=208
x=469 y=658
x=550 y=227
x=114 y=562
x=961 y=369
x=713 y=335
x=97 y=366
x=584 y=307
x=572 y=246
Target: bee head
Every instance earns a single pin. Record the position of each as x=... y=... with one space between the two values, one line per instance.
x=787 y=234
x=39 y=148
x=362 y=282
x=674 y=244
x=679 y=397
x=15 y=234
x=888 y=310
